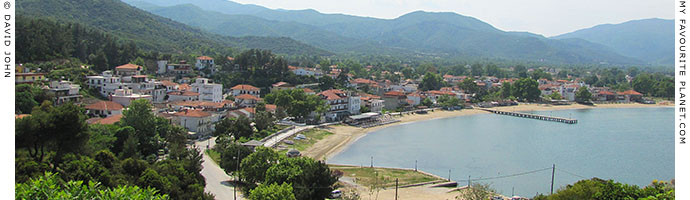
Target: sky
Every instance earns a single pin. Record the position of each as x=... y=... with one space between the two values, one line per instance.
x=546 y=17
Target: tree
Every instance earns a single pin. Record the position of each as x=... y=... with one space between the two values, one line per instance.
x=520 y=71
x=477 y=70
x=229 y=153
x=431 y=81
x=447 y=101
x=644 y=84
x=583 y=95
x=506 y=89
x=296 y=103
x=49 y=186
x=263 y=119
x=272 y=192
x=253 y=168
x=312 y=179
x=526 y=89
x=139 y=116
x=478 y=191
x=241 y=127
x=326 y=82
x=427 y=102
x=408 y=72
x=469 y=86
x=555 y=96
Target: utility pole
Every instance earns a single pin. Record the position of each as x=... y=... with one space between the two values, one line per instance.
x=415 y=165
x=372 y=162
x=513 y=194
x=237 y=169
x=396 y=188
x=553 y=172
x=448 y=174
x=469 y=181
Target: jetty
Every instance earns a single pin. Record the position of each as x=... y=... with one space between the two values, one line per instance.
x=533 y=116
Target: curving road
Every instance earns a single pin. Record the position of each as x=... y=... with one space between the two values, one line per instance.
x=217 y=181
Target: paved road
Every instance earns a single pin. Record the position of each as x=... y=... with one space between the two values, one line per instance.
x=273 y=141
x=217 y=181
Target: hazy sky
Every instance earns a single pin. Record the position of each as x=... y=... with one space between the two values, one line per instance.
x=546 y=17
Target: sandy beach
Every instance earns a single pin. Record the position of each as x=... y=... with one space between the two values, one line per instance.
x=345 y=135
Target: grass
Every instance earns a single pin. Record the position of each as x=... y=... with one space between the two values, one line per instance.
x=367 y=176
x=313 y=136
x=215 y=156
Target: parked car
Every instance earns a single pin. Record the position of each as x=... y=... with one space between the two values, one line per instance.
x=336 y=194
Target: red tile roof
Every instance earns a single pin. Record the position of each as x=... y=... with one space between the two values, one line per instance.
x=631 y=92
x=394 y=93
x=192 y=113
x=245 y=87
x=247 y=96
x=184 y=87
x=307 y=90
x=108 y=120
x=168 y=83
x=231 y=58
x=204 y=58
x=332 y=94
x=104 y=105
x=183 y=93
x=129 y=66
x=606 y=93
x=281 y=84
x=19 y=116
x=363 y=81
x=271 y=107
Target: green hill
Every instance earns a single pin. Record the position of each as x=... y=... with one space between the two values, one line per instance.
x=650 y=40
x=429 y=34
x=151 y=32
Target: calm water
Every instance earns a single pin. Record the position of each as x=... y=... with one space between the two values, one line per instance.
x=633 y=146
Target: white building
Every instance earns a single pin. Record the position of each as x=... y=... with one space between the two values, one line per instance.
x=199 y=123
x=104 y=109
x=64 y=91
x=208 y=91
x=183 y=96
x=245 y=89
x=340 y=104
x=106 y=83
x=125 y=97
x=203 y=62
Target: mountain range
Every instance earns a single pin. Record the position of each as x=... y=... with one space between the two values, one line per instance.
x=178 y=25
x=149 y=31
x=440 y=34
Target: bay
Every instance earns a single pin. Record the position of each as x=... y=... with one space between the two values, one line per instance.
x=628 y=145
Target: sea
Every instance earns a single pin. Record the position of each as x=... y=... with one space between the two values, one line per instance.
x=519 y=156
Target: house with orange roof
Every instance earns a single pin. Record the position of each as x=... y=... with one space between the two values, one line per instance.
x=183 y=96
x=108 y=120
x=247 y=100
x=104 y=109
x=198 y=122
x=128 y=70
x=340 y=104
x=245 y=89
x=308 y=91
x=605 y=96
x=282 y=86
x=394 y=99
x=181 y=68
x=203 y=62
x=629 y=96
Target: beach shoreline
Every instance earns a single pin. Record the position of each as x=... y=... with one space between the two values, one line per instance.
x=343 y=135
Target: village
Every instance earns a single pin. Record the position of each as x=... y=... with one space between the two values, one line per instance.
x=197 y=103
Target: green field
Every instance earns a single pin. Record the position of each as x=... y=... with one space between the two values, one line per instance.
x=367 y=176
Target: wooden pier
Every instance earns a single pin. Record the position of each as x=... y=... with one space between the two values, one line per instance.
x=533 y=116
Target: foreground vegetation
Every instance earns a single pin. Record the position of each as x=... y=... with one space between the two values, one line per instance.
x=141 y=150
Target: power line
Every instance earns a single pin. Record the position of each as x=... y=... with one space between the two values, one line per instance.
x=507 y=176
x=567 y=172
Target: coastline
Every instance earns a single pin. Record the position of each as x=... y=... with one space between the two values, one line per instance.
x=343 y=135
